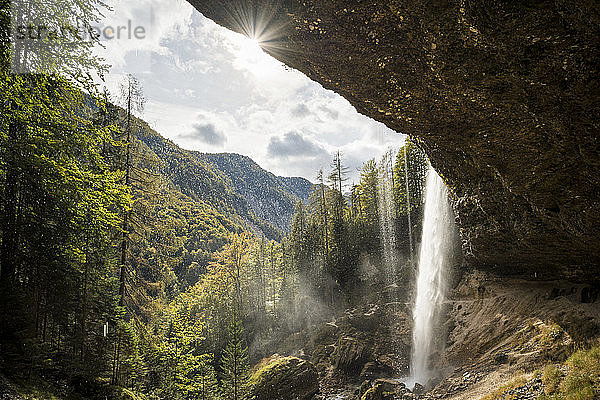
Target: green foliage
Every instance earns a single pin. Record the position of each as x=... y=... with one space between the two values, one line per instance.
x=580 y=379
x=235 y=363
x=411 y=165
x=61 y=203
x=74 y=60
x=197 y=379
x=410 y=171
x=551 y=377
x=329 y=236
x=186 y=371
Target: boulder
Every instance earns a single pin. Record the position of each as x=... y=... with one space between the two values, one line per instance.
x=385 y=389
x=367 y=321
x=350 y=354
x=325 y=334
x=374 y=369
x=283 y=378
x=418 y=388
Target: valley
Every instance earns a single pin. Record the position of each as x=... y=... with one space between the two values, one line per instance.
x=430 y=233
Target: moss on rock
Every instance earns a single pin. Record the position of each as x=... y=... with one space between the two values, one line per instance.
x=283 y=378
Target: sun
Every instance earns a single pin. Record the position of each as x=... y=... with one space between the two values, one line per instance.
x=250 y=56
x=255 y=44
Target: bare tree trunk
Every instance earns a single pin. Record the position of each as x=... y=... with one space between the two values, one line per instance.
x=45 y=325
x=125 y=238
x=410 y=237
x=272 y=260
x=84 y=305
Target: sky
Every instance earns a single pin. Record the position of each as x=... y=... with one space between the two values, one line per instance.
x=213 y=90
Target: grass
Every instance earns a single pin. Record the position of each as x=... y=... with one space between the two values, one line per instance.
x=580 y=382
x=551 y=377
x=550 y=334
x=577 y=379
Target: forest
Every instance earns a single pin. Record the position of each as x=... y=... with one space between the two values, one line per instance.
x=131 y=268
x=120 y=281
x=114 y=280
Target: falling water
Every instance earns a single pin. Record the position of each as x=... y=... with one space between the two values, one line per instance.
x=385 y=199
x=434 y=256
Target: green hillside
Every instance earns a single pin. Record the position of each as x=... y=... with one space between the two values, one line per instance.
x=232 y=184
x=196 y=200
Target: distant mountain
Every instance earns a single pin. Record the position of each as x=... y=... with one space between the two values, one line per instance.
x=271 y=198
x=232 y=184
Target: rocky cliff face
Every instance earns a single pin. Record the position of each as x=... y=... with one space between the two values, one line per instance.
x=503 y=95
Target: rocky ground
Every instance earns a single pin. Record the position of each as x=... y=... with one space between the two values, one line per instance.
x=498 y=335
x=362 y=344
x=497 y=331
x=503 y=328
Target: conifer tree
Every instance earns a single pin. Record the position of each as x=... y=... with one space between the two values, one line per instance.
x=234 y=362
x=410 y=170
x=132 y=97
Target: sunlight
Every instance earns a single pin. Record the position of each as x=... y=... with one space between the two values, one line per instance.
x=258 y=25
x=254 y=42
x=250 y=56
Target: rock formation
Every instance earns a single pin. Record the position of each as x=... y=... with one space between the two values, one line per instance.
x=284 y=378
x=503 y=96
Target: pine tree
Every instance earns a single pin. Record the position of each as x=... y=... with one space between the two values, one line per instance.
x=410 y=170
x=322 y=205
x=132 y=97
x=339 y=173
x=234 y=362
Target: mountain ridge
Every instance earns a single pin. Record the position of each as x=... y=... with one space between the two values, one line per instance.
x=231 y=183
x=269 y=196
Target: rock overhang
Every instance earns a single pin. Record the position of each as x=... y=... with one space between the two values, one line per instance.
x=504 y=97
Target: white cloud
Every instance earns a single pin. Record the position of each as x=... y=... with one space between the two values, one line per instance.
x=210 y=89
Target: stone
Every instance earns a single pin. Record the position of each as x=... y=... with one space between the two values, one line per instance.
x=283 y=378
x=325 y=334
x=501 y=358
x=389 y=385
x=364 y=387
x=350 y=354
x=366 y=321
x=384 y=389
x=373 y=369
x=418 y=388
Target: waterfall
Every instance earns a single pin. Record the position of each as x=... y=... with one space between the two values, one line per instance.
x=408 y=208
x=387 y=213
x=434 y=256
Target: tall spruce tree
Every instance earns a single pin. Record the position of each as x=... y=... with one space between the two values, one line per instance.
x=234 y=362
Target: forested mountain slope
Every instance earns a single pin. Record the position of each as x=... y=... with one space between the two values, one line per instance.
x=270 y=197
x=193 y=201
x=233 y=184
